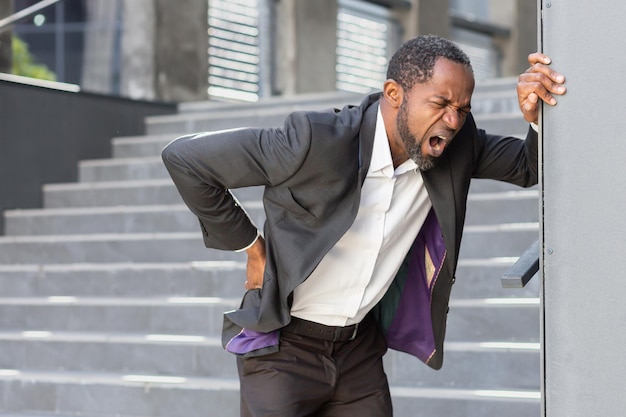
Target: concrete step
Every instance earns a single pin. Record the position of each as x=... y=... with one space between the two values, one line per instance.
x=110 y=193
x=258 y=115
x=517 y=206
x=468 y=320
x=33 y=265
x=120 y=199
x=496 y=123
x=41 y=414
x=131 y=280
x=254 y=115
x=491 y=102
x=499 y=96
x=115 y=219
x=121 y=193
x=484 y=91
x=465 y=403
x=476 y=278
x=116 y=248
x=172 y=315
x=506 y=84
x=121 y=169
x=495 y=96
x=491 y=186
x=156 y=354
x=141 y=146
x=197 y=122
x=108 y=395
x=152 y=168
x=507 y=319
x=151 y=145
x=498 y=240
x=154 y=396
x=327 y=99
x=480 y=365
x=514 y=365
x=502 y=123
x=482 y=209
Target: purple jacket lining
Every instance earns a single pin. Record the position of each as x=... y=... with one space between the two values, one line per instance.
x=411 y=330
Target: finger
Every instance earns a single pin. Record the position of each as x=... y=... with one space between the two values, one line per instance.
x=539 y=64
x=530 y=106
x=541 y=86
x=535 y=91
x=543 y=72
x=251 y=285
x=538 y=57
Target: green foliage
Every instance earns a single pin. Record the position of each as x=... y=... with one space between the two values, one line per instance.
x=25 y=65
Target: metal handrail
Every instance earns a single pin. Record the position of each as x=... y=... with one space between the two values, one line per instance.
x=54 y=85
x=523 y=269
x=24 y=13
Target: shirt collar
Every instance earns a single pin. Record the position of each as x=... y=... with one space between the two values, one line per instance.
x=381 y=154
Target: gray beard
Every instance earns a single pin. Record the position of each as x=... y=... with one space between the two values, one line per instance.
x=412 y=146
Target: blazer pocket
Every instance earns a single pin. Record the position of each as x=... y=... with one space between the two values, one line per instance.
x=284 y=199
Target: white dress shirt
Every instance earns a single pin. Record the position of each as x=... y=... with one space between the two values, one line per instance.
x=355 y=274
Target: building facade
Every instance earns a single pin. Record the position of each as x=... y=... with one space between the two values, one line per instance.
x=249 y=49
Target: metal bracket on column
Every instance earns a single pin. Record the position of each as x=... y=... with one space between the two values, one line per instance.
x=523 y=269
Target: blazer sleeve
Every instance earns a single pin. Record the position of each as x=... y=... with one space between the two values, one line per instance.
x=507 y=158
x=205 y=166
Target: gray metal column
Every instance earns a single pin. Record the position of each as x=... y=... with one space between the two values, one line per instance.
x=423 y=17
x=305 y=49
x=138 y=72
x=521 y=17
x=584 y=224
x=181 y=49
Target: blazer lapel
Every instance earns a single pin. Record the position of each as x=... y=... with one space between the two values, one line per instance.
x=366 y=140
x=440 y=187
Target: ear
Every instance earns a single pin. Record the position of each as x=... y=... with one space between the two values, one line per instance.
x=393 y=93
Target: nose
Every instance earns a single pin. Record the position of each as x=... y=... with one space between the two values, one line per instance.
x=453 y=119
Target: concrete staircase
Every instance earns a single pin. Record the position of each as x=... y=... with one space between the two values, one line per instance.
x=111 y=306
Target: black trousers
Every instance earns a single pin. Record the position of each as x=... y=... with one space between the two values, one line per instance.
x=311 y=377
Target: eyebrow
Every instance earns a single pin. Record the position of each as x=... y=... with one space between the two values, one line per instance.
x=468 y=106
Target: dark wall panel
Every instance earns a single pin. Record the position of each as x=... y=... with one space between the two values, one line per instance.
x=45 y=132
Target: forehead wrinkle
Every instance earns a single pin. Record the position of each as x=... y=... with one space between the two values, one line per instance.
x=449 y=102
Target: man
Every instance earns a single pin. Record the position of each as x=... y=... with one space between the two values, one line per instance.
x=365 y=209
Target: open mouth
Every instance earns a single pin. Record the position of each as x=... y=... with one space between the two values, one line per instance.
x=437 y=145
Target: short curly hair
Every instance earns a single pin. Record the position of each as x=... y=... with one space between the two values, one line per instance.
x=413 y=63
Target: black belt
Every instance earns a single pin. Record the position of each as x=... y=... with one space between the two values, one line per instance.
x=330 y=333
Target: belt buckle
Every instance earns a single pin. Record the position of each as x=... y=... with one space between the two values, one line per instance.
x=356 y=330
x=339 y=330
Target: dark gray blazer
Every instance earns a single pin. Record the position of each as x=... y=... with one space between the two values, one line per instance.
x=312 y=169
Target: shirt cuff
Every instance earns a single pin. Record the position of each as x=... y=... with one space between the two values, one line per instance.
x=535 y=126
x=258 y=234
